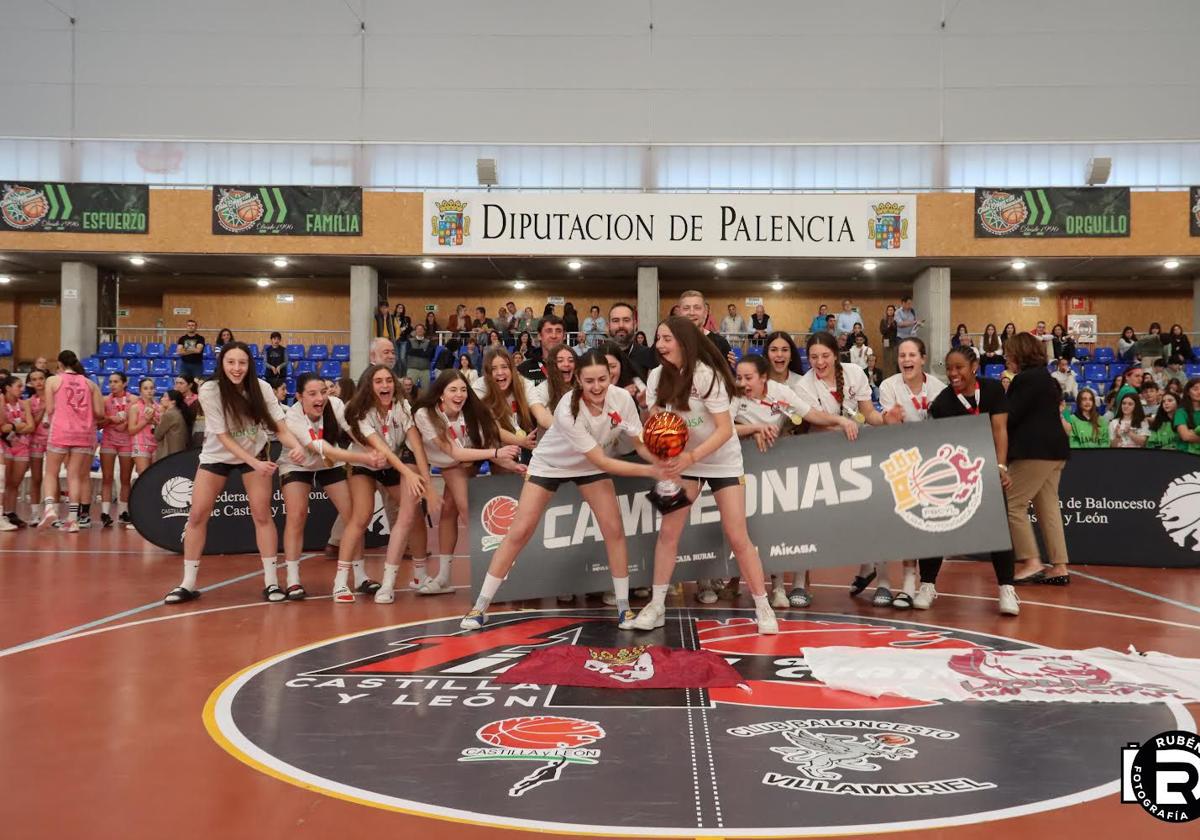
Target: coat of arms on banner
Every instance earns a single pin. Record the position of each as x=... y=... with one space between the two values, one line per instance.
x=936 y=494
x=450 y=224
x=888 y=227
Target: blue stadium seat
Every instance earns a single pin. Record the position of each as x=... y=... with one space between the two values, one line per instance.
x=331 y=369
x=737 y=352
x=1196 y=353
x=253 y=350
x=295 y=352
x=802 y=352
x=114 y=366
x=1081 y=354
x=291 y=385
x=341 y=353
x=160 y=367
x=164 y=383
x=174 y=367
x=993 y=371
x=6 y=347
x=210 y=367
x=137 y=367
x=131 y=349
x=107 y=349
x=1105 y=355
x=305 y=366
x=1192 y=369
x=260 y=367
x=318 y=352
x=155 y=350
x=91 y=365
x=1100 y=387
x=104 y=389
x=437 y=353
x=1095 y=372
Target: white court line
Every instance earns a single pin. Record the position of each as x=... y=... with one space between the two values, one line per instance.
x=1136 y=591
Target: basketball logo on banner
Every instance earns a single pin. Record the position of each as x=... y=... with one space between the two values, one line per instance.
x=1179 y=511
x=938 y=494
x=497 y=517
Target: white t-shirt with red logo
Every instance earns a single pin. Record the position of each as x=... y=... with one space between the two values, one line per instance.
x=775 y=408
x=855 y=387
x=562 y=452
x=456 y=432
x=893 y=391
x=391 y=426
x=307 y=431
x=708 y=398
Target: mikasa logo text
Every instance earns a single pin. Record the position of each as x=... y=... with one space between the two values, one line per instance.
x=785 y=550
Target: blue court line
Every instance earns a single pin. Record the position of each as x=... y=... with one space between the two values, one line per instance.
x=127 y=613
x=1136 y=591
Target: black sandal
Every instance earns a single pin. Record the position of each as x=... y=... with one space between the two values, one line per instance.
x=1037 y=577
x=861 y=583
x=271 y=591
x=368 y=587
x=181 y=595
x=1056 y=580
x=902 y=601
x=296 y=592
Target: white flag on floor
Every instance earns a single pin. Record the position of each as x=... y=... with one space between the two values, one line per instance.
x=1096 y=675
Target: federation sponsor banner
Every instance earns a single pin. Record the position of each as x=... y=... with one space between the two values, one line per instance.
x=162 y=497
x=1052 y=212
x=1194 y=211
x=664 y=224
x=898 y=492
x=53 y=207
x=287 y=211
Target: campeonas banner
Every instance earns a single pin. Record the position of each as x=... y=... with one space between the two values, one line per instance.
x=899 y=492
x=661 y=224
x=1052 y=212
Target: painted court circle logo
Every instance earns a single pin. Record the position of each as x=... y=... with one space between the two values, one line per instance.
x=411 y=719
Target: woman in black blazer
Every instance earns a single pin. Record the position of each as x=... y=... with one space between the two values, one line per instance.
x=1037 y=452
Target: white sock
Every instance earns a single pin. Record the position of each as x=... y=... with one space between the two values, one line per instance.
x=760 y=600
x=191 y=568
x=270 y=575
x=339 y=578
x=104 y=507
x=621 y=590
x=491 y=585
x=419 y=570
x=117 y=506
x=48 y=503
x=389 y=577
x=658 y=594
x=360 y=571
x=293 y=572
x=443 y=575
x=72 y=512
x=910 y=581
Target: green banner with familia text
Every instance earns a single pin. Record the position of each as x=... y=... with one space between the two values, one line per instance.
x=1052 y=212
x=54 y=207
x=287 y=211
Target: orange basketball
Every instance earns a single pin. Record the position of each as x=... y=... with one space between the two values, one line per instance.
x=498 y=515
x=249 y=211
x=35 y=207
x=545 y=732
x=1013 y=214
x=665 y=434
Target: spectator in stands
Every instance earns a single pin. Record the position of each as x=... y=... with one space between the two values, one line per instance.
x=843 y=345
x=420 y=351
x=276 y=360
x=173 y=432
x=640 y=339
x=1125 y=344
x=481 y=324
x=907 y=321
x=694 y=307
x=1006 y=379
x=346 y=387
x=504 y=320
x=1175 y=370
x=733 y=325
x=493 y=339
x=1133 y=383
x=524 y=344
x=1128 y=430
x=1175 y=388
x=409 y=390
x=550 y=334
x=1065 y=377
x=570 y=323
x=859 y=351
x=855 y=331
x=846 y=319
x=547 y=311
x=444 y=358
x=1187 y=418
x=526 y=323
x=818 y=321
x=760 y=325
x=992 y=348
x=466 y=366
x=888 y=340
x=475 y=352
x=223 y=337
x=1151 y=396
x=1176 y=343
x=190 y=349
x=1113 y=389
x=403 y=326
x=385 y=327
x=594 y=327
x=1037 y=452
x=1062 y=344
x=1162 y=425
x=432 y=328
x=830 y=324
x=460 y=322
x=1010 y=329
x=623 y=332
x=956 y=340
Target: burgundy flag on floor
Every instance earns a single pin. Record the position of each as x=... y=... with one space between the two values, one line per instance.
x=636 y=666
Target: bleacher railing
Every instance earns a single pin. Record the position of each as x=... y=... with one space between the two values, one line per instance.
x=168 y=336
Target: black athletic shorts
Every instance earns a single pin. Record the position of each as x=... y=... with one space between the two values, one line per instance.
x=224 y=470
x=552 y=484
x=716 y=484
x=323 y=477
x=388 y=476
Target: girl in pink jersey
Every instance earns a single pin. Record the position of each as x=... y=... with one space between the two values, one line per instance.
x=115 y=445
x=36 y=382
x=16 y=426
x=144 y=414
x=75 y=405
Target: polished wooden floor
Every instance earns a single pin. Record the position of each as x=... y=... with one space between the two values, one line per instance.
x=102 y=686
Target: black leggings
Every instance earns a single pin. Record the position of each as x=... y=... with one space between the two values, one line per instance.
x=1003 y=562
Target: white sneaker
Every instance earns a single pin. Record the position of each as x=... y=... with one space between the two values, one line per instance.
x=384 y=595
x=706 y=596
x=72 y=527
x=48 y=517
x=765 y=616
x=474 y=620
x=651 y=617
x=343 y=595
x=926 y=595
x=625 y=619
x=779 y=598
x=5 y=525
x=609 y=599
x=1009 y=603
x=433 y=586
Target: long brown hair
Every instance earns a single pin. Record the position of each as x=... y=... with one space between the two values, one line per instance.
x=827 y=341
x=556 y=388
x=1095 y=418
x=675 y=385
x=242 y=405
x=364 y=400
x=331 y=432
x=1026 y=351
x=481 y=425
x=595 y=356
x=496 y=400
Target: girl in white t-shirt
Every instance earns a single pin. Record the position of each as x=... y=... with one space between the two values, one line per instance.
x=694 y=380
x=318 y=421
x=784 y=360
x=378 y=422
x=1129 y=429
x=558 y=365
x=766 y=409
x=457 y=432
x=507 y=397
x=905 y=398
x=589 y=424
x=841 y=389
x=238 y=408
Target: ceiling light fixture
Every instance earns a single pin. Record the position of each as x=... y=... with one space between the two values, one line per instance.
x=263 y=282
x=280 y=262
x=574 y=265
x=870 y=265
x=5 y=279
x=777 y=286
x=1041 y=285
x=720 y=265
x=138 y=260
x=519 y=284
x=1171 y=264
x=428 y=265
x=1018 y=265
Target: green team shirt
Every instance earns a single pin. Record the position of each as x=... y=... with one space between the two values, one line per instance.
x=1083 y=436
x=1182 y=419
x=1164 y=437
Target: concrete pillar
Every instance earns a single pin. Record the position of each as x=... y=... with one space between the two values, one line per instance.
x=647 y=300
x=78 y=308
x=931 y=298
x=364 y=300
